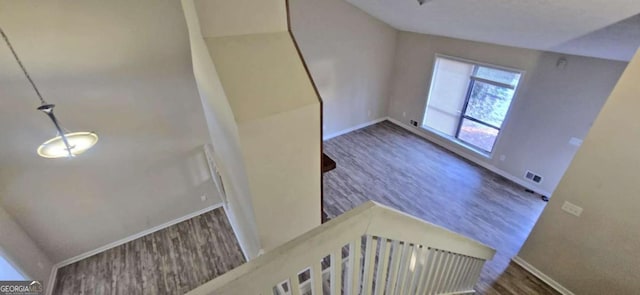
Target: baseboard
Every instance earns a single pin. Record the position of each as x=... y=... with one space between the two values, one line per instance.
x=135 y=236
x=359 y=126
x=540 y=275
x=461 y=153
x=515 y=179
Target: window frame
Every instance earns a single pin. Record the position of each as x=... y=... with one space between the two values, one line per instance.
x=473 y=78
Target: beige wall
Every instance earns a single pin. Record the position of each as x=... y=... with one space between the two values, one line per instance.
x=275 y=112
x=552 y=105
x=597 y=253
x=286 y=174
x=21 y=250
x=278 y=117
x=223 y=133
x=241 y=17
x=350 y=57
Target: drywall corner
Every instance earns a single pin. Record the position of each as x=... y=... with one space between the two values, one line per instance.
x=223 y=131
x=596 y=253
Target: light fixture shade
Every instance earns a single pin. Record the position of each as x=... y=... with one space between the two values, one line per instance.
x=78 y=141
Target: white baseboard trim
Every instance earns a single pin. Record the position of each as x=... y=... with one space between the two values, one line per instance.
x=460 y=152
x=135 y=236
x=354 y=128
x=540 y=275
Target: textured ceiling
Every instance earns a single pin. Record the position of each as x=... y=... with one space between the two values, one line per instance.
x=120 y=68
x=584 y=27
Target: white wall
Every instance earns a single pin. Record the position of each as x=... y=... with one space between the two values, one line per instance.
x=90 y=207
x=597 y=253
x=350 y=57
x=123 y=70
x=552 y=105
x=17 y=247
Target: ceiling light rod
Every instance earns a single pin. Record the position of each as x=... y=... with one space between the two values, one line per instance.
x=15 y=55
x=48 y=109
x=44 y=106
x=82 y=140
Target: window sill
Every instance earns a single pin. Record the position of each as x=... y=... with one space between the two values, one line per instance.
x=466 y=146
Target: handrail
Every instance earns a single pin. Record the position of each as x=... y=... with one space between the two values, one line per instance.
x=396 y=225
x=380 y=224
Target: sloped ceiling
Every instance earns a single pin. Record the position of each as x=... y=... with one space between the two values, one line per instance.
x=120 y=68
x=585 y=27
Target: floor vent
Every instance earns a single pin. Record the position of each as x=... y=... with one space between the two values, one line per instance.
x=533 y=177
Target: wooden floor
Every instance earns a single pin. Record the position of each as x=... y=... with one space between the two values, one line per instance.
x=384 y=163
x=170 y=261
x=392 y=166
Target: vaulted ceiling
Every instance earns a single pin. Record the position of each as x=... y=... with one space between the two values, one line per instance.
x=605 y=29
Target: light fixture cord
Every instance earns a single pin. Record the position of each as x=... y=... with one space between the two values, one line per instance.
x=42 y=101
x=6 y=39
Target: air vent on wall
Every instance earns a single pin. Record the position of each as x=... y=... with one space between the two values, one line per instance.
x=533 y=177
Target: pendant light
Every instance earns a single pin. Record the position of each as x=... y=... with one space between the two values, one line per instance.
x=65 y=144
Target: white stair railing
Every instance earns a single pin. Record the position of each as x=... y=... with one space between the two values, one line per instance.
x=372 y=249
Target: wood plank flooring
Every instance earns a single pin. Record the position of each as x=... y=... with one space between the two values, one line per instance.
x=392 y=166
x=170 y=261
x=384 y=163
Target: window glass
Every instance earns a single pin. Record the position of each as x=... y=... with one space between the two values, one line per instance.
x=505 y=77
x=8 y=272
x=489 y=103
x=478 y=135
x=469 y=102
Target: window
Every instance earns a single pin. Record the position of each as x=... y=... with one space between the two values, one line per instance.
x=469 y=102
x=8 y=272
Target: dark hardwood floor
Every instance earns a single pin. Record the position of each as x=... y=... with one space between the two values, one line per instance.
x=170 y=261
x=392 y=166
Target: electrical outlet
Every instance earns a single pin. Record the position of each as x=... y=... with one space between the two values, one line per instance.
x=369 y=114
x=503 y=157
x=571 y=208
x=203 y=198
x=404 y=114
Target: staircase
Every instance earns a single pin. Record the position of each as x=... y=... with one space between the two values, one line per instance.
x=372 y=249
